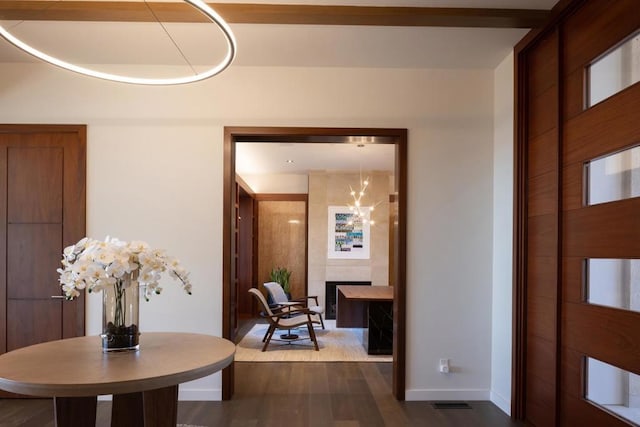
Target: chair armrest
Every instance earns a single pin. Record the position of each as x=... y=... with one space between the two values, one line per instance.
x=306 y=298
x=288 y=313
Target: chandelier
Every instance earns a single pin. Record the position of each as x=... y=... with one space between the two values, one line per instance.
x=197 y=76
x=361 y=212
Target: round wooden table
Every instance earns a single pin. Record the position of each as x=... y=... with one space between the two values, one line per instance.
x=144 y=384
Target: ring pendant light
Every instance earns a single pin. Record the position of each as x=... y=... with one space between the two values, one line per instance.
x=216 y=69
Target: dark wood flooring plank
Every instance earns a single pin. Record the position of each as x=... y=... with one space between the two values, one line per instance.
x=295 y=394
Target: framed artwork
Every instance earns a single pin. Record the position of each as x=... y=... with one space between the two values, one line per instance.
x=349 y=234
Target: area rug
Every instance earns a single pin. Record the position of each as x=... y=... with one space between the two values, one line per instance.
x=336 y=345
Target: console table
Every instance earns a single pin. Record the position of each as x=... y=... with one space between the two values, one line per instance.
x=144 y=384
x=371 y=308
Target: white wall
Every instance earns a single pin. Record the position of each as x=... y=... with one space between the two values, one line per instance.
x=502 y=235
x=450 y=240
x=277 y=183
x=155 y=173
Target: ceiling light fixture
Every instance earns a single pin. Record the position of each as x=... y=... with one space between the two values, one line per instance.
x=197 y=4
x=362 y=212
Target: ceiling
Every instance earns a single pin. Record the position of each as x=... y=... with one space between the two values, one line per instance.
x=273 y=45
x=290 y=158
x=279 y=44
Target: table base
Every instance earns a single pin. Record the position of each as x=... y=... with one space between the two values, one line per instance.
x=157 y=408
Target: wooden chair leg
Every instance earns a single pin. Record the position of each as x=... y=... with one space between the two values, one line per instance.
x=267 y=333
x=271 y=331
x=321 y=321
x=312 y=334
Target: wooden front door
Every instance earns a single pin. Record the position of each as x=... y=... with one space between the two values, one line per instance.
x=42 y=210
x=577 y=346
x=600 y=218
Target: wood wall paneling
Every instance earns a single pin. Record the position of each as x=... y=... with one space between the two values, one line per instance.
x=543 y=194
x=542 y=66
x=574 y=93
x=604 y=128
x=26 y=243
x=542 y=358
x=573 y=186
x=573 y=279
x=594 y=29
x=576 y=412
x=608 y=230
x=541 y=209
x=282 y=243
x=33 y=314
x=572 y=372
x=613 y=335
x=542 y=236
x=35 y=197
x=541 y=315
x=4 y=139
x=542 y=276
x=542 y=154
x=540 y=401
x=543 y=112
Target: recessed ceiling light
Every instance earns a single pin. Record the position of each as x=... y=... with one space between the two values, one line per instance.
x=289 y=161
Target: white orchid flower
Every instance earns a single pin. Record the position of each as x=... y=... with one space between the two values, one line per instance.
x=138 y=246
x=118 y=268
x=97 y=265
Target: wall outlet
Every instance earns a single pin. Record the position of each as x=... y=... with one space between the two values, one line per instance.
x=444 y=366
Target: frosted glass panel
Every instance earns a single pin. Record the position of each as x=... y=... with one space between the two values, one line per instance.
x=614 y=283
x=615 y=71
x=613 y=389
x=613 y=177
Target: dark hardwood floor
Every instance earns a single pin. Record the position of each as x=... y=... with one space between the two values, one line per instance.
x=294 y=395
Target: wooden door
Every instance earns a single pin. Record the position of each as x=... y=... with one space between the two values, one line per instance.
x=42 y=210
x=600 y=228
x=245 y=248
x=577 y=265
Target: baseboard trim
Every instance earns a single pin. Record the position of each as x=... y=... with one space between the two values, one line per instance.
x=207 y=394
x=199 y=395
x=436 y=394
x=501 y=402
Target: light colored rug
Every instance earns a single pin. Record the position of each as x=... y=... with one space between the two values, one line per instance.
x=336 y=345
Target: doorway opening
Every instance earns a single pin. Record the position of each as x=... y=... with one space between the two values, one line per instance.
x=397 y=263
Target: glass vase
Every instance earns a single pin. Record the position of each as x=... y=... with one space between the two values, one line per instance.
x=120 y=315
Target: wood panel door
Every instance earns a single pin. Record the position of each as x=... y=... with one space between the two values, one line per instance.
x=577 y=265
x=600 y=238
x=42 y=210
x=246 y=254
x=600 y=310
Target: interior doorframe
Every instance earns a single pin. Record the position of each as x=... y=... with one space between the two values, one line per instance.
x=398 y=137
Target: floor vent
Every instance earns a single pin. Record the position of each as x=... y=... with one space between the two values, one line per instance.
x=451 y=405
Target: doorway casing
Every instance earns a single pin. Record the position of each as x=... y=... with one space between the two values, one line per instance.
x=305 y=135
